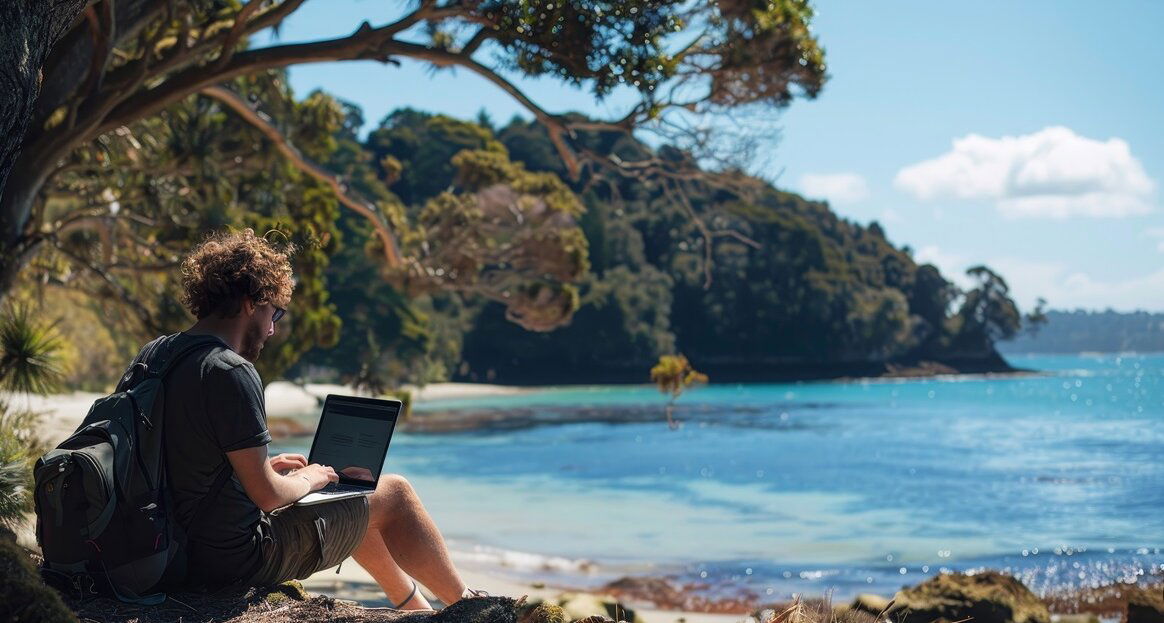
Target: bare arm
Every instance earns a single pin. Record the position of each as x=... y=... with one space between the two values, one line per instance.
x=267 y=488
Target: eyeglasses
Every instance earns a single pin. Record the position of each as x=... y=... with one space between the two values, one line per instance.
x=279 y=311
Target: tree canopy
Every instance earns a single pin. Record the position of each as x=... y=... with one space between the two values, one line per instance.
x=98 y=69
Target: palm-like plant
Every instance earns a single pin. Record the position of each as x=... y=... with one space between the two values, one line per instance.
x=29 y=353
x=18 y=448
x=29 y=363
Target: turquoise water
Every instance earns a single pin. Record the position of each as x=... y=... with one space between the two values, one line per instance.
x=811 y=487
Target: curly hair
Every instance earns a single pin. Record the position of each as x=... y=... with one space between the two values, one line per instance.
x=227 y=267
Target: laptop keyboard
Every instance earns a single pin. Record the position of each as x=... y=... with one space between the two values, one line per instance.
x=335 y=487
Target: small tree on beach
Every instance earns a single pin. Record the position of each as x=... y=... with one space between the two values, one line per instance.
x=673 y=375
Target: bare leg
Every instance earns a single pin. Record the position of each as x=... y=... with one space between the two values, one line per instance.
x=403 y=539
x=375 y=558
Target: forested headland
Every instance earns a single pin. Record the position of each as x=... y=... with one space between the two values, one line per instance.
x=763 y=285
x=591 y=281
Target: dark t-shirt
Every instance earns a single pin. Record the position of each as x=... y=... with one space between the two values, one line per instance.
x=214 y=405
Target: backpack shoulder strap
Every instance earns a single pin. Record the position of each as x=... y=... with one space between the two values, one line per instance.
x=160 y=363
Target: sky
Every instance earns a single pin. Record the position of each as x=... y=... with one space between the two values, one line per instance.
x=1027 y=136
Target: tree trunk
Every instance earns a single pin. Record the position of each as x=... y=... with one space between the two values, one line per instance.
x=30 y=29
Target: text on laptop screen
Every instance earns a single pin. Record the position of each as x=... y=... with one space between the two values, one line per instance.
x=353 y=437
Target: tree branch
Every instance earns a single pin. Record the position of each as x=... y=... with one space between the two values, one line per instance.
x=555 y=125
x=365 y=44
x=474 y=42
x=301 y=162
x=236 y=32
x=122 y=293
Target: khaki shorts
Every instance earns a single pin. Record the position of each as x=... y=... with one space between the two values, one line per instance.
x=300 y=540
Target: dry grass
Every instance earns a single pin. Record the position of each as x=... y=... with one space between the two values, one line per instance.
x=810 y=611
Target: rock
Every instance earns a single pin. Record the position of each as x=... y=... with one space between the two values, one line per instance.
x=543 y=613
x=23 y=596
x=478 y=610
x=870 y=603
x=988 y=597
x=280 y=593
x=1074 y=618
x=1146 y=604
x=582 y=605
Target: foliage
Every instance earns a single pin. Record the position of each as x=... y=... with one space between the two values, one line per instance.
x=747 y=280
x=131 y=204
x=19 y=449
x=131 y=155
x=673 y=374
x=29 y=352
x=988 y=314
x=1036 y=319
x=112 y=73
x=478 y=226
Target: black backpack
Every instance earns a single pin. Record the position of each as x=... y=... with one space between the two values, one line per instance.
x=103 y=517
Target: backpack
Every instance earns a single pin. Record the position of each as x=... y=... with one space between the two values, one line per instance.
x=102 y=503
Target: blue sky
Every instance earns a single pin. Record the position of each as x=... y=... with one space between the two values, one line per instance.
x=1024 y=135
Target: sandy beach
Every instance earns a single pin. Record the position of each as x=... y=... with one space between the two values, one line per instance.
x=64 y=412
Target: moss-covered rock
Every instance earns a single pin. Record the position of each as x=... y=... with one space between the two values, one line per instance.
x=23 y=596
x=539 y=611
x=581 y=605
x=292 y=590
x=1146 y=604
x=988 y=597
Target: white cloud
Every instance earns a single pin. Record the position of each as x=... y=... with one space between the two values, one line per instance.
x=1053 y=173
x=835 y=187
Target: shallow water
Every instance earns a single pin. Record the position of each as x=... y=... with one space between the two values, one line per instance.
x=812 y=487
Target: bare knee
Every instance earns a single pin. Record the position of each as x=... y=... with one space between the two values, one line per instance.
x=396 y=489
x=394 y=495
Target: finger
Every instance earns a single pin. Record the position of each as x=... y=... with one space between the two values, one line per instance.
x=297 y=459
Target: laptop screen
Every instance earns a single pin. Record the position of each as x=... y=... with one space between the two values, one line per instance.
x=353 y=437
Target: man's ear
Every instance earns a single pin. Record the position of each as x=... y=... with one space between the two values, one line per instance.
x=248 y=306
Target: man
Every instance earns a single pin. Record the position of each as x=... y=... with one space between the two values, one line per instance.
x=238 y=287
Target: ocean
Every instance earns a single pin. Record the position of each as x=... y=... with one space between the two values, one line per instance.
x=816 y=488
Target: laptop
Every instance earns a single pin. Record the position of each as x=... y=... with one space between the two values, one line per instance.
x=352 y=438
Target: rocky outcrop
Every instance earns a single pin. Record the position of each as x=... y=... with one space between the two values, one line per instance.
x=987 y=597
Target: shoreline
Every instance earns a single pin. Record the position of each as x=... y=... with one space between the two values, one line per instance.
x=499 y=577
